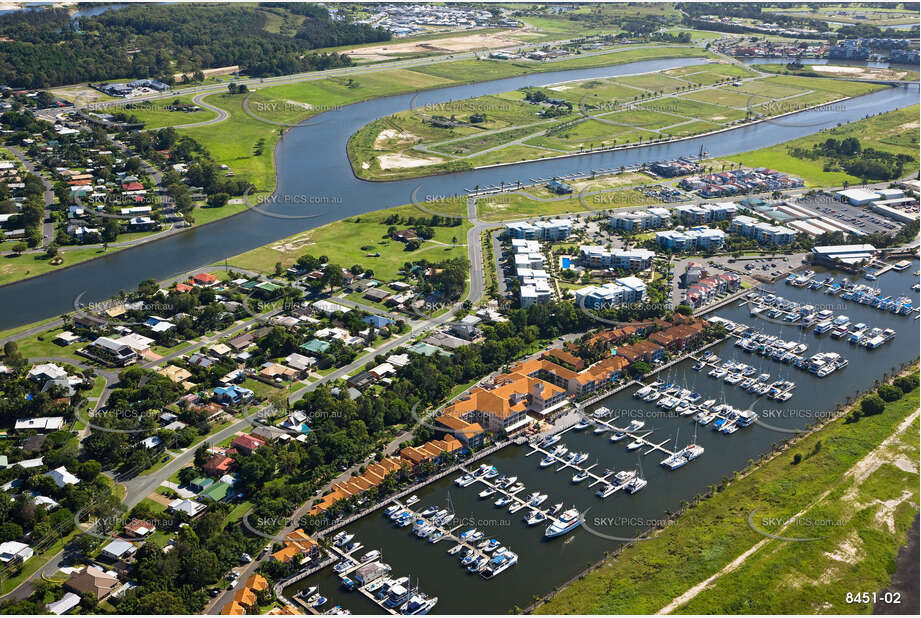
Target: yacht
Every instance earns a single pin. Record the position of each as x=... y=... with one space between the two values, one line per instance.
x=431 y=510
x=390 y=510
x=538 y=499
x=514 y=489
x=635 y=425
x=601 y=412
x=412 y=500
x=316 y=600
x=579 y=476
x=606 y=491
x=642 y=392
x=455 y=550
x=635 y=444
x=547 y=461
x=343 y=565
x=503 y=501
x=500 y=562
x=398 y=595
x=478 y=564
x=583 y=424
x=635 y=484
x=682 y=457
x=567 y=522
x=535 y=518
x=465 y=481
x=516 y=507
x=342 y=539
x=599 y=429
x=487 y=492
x=551 y=440
x=468 y=535
x=418 y=604
x=617 y=436
x=374 y=554
x=581 y=457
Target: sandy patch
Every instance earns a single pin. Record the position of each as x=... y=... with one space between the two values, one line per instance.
x=560 y=88
x=910 y=125
x=448 y=44
x=295 y=244
x=365 y=165
x=848 y=551
x=861 y=72
x=402 y=138
x=402 y=161
x=885 y=516
x=213 y=72
x=717 y=117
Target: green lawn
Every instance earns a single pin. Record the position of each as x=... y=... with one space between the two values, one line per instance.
x=155 y=114
x=895 y=132
x=855 y=551
x=353 y=241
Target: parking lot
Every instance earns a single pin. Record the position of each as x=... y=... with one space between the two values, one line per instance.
x=858 y=217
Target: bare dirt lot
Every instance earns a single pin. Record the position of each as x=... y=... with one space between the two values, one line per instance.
x=448 y=44
x=858 y=72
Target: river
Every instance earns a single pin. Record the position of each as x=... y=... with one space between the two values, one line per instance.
x=312 y=166
x=544 y=565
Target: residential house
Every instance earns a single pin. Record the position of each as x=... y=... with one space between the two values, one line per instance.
x=93 y=581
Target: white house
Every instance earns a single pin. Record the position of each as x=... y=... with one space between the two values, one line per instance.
x=62 y=477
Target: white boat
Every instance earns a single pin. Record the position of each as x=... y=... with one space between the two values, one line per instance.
x=642 y=392
x=516 y=507
x=374 y=554
x=487 y=492
x=606 y=491
x=636 y=484
x=682 y=457
x=617 y=436
x=583 y=424
x=535 y=518
x=556 y=508
x=418 y=604
x=635 y=444
x=412 y=500
x=551 y=440
x=514 y=489
x=500 y=562
x=538 y=500
x=502 y=501
x=635 y=425
x=580 y=458
x=567 y=522
x=579 y=476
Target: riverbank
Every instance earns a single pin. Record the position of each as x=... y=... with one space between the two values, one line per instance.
x=852 y=474
x=617 y=113
x=895 y=132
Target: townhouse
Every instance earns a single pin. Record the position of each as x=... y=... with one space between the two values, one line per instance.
x=762 y=231
x=594 y=256
x=622 y=291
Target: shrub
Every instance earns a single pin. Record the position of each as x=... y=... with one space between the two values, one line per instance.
x=872 y=404
x=888 y=392
x=906 y=383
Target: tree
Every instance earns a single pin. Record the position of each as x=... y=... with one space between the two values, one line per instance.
x=887 y=392
x=217 y=200
x=872 y=404
x=19 y=247
x=906 y=383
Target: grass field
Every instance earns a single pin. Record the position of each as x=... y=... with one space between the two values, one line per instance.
x=156 y=114
x=895 y=132
x=512 y=129
x=354 y=240
x=867 y=512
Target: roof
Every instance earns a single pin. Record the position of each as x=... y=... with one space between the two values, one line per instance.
x=508 y=396
x=119 y=548
x=93 y=580
x=64 y=604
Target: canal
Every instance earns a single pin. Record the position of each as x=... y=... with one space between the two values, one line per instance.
x=315 y=180
x=544 y=565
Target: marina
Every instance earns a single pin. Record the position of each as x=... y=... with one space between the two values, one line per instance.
x=622 y=515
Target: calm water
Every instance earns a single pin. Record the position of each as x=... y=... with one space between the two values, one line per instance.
x=545 y=565
x=315 y=179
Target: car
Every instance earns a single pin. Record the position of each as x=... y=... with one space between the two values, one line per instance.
x=246 y=558
x=213 y=592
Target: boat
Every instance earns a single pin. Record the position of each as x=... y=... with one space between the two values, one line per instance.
x=500 y=562
x=567 y=522
x=635 y=484
x=635 y=444
x=516 y=507
x=606 y=490
x=466 y=536
x=635 y=425
x=682 y=457
x=551 y=440
x=489 y=546
x=581 y=457
x=412 y=500
x=435 y=536
x=547 y=461
x=502 y=501
x=617 y=436
x=478 y=564
x=599 y=429
x=418 y=604
x=583 y=424
x=454 y=550
x=342 y=538
x=431 y=510
x=642 y=392
x=579 y=476
x=601 y=412
x=316 y=600
x=343 y=565
x=374 y=554
x=514 y=489
x=538 y=500
x=487 y=492
x=535 y=518
x=390 y=510
x=465 y=481
x=398 y=594
x=556 y=508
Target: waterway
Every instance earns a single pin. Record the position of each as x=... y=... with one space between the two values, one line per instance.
x=315 y=178
x=544 y=565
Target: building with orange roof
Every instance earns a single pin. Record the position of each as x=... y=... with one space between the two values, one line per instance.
x=559 y=355
x=430 y=451
x=257 y=582
x=576 y=383
x=678 y=337
x=503 y=404
x=469 y=434
x=645 y=351
x=285 y=610
x=374 y=475
x=297 y=544
x=245 y=597
x=233 y=609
